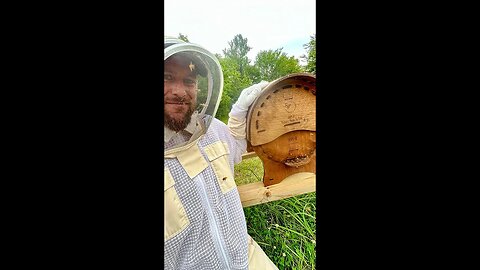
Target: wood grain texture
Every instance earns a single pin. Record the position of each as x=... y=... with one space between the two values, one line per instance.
x=285 y=105
x=249 y=155
x=297 y=184
x=289 y=154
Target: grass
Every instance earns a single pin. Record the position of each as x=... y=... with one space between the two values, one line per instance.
x=285 y=229
x=248 y=171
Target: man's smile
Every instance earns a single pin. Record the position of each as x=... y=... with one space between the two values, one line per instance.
x=177 y=102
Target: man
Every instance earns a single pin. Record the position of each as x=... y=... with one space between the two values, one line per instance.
x=205 y=225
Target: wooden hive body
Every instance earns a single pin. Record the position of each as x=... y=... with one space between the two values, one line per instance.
x=281 y=127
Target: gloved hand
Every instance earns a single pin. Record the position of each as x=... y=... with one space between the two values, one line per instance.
x=248 y=95
x=237 y=116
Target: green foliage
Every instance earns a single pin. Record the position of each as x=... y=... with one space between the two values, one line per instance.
x=238 y=49
x=253 y=73
x=273 y=64
x=224 y=108
x=285 y=229
x=248 y=171
x=233 y=84
x=311 y=56
x=202 y=92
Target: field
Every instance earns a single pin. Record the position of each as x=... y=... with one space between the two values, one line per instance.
x=285 y=229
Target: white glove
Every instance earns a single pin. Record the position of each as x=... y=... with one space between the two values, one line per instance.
x=237 y=116
x=248 y=95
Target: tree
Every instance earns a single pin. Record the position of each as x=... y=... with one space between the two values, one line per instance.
x=238 y=52
x=233 y=84
x=311 y=56
x=253 y=74
x=273 y=64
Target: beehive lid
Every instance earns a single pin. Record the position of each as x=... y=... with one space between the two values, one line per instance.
x=286 y=104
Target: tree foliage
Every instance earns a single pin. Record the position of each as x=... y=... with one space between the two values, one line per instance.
x=311 y=56
x=233 y=84
x=253 y=73
x=273 y=64
x=237 y=51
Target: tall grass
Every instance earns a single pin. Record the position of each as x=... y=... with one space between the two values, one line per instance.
x=285 y=229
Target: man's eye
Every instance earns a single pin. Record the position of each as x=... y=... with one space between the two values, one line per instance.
x=189 y=82
x=167 y=77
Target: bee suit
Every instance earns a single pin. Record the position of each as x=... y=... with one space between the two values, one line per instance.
x=205 y=225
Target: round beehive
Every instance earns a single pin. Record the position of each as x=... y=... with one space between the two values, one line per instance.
x=281 y=126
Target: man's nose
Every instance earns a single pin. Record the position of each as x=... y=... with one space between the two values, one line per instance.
x=178 y=89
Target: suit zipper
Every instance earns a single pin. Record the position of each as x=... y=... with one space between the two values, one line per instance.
x=212 y=222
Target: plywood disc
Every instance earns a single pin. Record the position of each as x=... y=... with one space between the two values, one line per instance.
x=285 y=105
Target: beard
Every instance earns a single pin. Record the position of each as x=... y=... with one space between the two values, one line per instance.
x=177 y=125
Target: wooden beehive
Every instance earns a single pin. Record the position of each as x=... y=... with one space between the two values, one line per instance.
x=281 y=127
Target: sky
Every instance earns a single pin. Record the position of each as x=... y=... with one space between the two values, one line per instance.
x=267 y=24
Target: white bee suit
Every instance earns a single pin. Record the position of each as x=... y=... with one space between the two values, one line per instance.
x=204 y=221
x=205 y=225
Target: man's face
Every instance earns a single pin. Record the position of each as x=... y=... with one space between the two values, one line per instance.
x=179 y=92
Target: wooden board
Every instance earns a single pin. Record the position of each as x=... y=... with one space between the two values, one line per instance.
x=249 y=155
x=297 y=184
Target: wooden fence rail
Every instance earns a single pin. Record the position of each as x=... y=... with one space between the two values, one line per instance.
x=256 y=193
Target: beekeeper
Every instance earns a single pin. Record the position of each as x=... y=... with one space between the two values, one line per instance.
x=205 y=225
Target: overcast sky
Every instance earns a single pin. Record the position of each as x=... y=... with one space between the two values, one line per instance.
x=267 y=24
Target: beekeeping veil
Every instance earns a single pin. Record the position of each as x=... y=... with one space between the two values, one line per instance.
x=210 y=85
